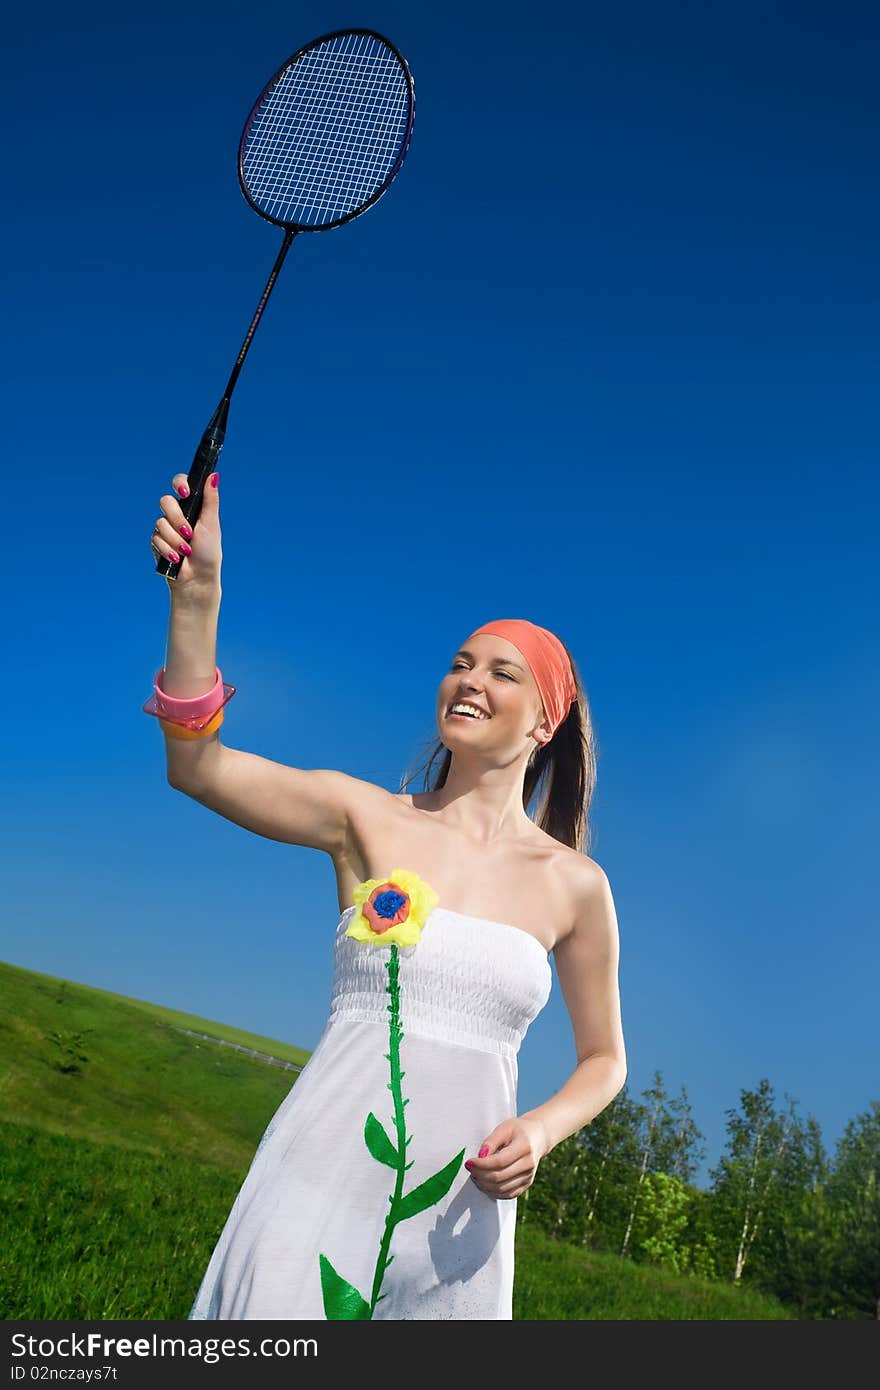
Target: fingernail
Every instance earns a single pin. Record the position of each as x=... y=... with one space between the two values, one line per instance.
x=185 y=548
x=174 y=557
x=183 y=490
x=185 y=531
x=468 y=1164
x=483 y=1151
x=215 y=479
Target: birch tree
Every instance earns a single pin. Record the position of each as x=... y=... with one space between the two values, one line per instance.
x=746 y=1177
x=665 y=1135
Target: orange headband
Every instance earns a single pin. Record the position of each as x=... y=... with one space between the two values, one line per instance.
x=548 y=662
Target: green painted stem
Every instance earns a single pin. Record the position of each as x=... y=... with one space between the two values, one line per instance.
x=393 y=968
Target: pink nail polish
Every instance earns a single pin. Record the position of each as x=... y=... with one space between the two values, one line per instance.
x=174 y=557
x=483 y=1151
x=215 y=479
x=185 y=531
x=183 y=490
x=185 y=548
x=468 y=1164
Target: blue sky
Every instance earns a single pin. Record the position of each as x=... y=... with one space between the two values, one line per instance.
x=605 y=357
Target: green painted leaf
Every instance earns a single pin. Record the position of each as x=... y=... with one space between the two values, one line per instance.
x=378 y=1143
x=341 y=1299
x=429 y=1191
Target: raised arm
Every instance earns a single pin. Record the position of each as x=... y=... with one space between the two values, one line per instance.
x=297 y=806
x=293 y=805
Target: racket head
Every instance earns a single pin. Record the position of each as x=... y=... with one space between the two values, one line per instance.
x=329 y=131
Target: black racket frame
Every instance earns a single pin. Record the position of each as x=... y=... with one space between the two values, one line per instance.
x=276 y=76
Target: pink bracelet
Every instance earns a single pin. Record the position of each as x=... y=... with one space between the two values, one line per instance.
x=196 y=713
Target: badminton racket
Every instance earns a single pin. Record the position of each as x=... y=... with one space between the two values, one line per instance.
x=323 y=141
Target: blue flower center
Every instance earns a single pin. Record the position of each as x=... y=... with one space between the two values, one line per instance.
x=389 y=902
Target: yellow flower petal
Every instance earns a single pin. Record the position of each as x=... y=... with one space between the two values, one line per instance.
x=422 y=900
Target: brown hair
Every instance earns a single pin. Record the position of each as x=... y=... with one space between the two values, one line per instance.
x=562 y=773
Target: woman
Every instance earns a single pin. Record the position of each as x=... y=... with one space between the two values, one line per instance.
x=385 y=1185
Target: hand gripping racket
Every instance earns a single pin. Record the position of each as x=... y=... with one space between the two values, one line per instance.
x=326 y=137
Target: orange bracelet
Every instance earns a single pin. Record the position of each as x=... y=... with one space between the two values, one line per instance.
x=181 y=731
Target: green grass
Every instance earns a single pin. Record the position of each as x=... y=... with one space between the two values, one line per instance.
x=116 y=1179
x=560 y=1282
x=96 y=1231
x=144 y=1086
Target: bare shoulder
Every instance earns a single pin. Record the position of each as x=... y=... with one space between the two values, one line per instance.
x=368 y=797
x=587 y=962
x=589 y=876
x=368 y=792
x=593 y=917
x=585 y=897
x=374 y=810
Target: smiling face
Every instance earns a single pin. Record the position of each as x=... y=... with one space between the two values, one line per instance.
x=489 y=675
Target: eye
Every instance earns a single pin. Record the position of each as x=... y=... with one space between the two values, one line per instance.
x=457 y=665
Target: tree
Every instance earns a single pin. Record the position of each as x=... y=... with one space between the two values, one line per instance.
x=747 y=1179
x=854 y=1188
x=667 y=1138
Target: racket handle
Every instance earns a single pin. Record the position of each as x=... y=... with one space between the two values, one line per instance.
x=203 y=465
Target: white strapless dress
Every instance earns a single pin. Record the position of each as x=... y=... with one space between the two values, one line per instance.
x=310 y=1218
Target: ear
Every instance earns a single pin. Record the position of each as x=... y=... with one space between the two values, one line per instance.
x=543 y=732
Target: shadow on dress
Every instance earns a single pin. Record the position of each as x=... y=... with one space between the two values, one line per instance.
x=458 y=1254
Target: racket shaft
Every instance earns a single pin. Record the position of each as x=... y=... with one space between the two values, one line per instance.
x=264 y=299
x=208 y=452
x=203 y=465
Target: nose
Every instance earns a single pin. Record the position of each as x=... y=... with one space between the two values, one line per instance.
x=469 y=684
x=469 y=691
x=466 y=689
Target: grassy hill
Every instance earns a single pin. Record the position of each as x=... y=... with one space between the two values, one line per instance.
x=141 y=1084
x=124 y=1142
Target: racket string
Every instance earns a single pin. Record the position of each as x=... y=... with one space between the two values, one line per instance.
x=366 y=153
x=328 y=132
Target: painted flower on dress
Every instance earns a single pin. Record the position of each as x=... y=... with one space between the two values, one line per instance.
x=391 y=912
x=392 y=909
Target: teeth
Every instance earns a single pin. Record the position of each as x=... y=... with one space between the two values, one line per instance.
x=468 y=709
